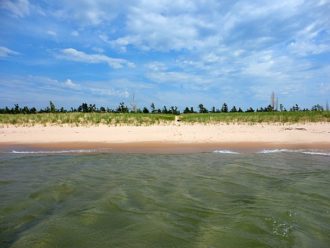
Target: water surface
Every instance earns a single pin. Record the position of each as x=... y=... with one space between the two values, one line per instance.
x=223 y=199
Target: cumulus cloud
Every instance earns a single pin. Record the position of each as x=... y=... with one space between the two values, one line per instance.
x=79 y=56
x=5 y=52
x=253 y=45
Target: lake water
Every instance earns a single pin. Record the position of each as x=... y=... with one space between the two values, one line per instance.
x=277 y=198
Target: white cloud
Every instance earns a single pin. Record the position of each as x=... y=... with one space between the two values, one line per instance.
x=18 y=8
x=70 y=84
x=49 y=88
x=99 y=91
x=198 y=44
x=309 y=40
x=193 y=25
x=156 y=66
x=5 y=52
x=109 y=92
x=51 y=33
x=167 y=25
x=308 y=48
x=98 y=49
x=79 y=56
x=90 y=12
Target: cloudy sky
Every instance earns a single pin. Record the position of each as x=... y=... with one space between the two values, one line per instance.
x=168 y=52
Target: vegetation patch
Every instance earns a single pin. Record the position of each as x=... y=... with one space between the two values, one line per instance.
x=91 y=115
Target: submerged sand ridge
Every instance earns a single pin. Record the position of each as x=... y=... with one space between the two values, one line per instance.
x=309 y=133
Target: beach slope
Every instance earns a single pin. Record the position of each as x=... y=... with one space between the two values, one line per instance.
x=307 y=135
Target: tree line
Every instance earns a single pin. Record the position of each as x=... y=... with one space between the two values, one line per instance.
x=122 y=108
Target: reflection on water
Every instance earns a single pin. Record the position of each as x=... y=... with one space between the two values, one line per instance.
x=191 y=200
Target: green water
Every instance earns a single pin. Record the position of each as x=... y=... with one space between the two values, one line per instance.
x=190 y=200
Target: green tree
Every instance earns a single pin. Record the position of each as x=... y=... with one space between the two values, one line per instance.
x=52 y=107
x=250 y=110
x=174 y=110
x=16 y=109
x=164 y=110
x=213 y=110
x=33 y=110
x=295 y=108
x=25 y=110
x=192 y=110
x=281 y=107
x=145 y=110
x=152 y=106
x=233 y=109
x=202 y=109
x=186 y=110
x=224 y=108
x=122 y=108
x=317 y=107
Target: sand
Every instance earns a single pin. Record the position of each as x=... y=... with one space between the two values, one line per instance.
x=182 y=136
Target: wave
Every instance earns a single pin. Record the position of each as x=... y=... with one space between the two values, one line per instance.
x=318 y=153
x=308 y=152
x=275 y=151
x=54 y=151
x=225 y=152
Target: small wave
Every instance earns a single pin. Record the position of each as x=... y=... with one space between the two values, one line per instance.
x=225 y=152
x=308 y=152
x=318 y=153
x=54 y=151
x=275 y=151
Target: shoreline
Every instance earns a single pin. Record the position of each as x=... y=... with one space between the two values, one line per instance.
x=175 y=138
x=156 y=147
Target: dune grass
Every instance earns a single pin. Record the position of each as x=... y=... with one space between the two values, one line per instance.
x=81 y=119
x=258 y=117
x=117 y=119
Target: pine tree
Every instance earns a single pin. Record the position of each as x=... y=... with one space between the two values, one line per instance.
x=224 y=108
x=233 y=109
x=52 y=107
x=152 y=106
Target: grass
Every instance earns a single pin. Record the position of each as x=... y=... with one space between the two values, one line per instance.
x=83 y=119
x=258 y=117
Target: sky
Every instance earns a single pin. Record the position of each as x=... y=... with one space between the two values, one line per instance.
x=174 y=53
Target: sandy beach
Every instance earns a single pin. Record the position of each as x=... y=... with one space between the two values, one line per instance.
x=172 y=137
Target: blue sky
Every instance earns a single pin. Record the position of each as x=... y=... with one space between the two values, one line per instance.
x=179 y=52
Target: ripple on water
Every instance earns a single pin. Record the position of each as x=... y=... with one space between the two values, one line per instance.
x=191 y=200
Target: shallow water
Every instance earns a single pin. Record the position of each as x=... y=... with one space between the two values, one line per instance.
x=223 y=199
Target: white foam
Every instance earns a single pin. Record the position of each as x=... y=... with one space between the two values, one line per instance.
x=309 y=152
x=275 y=151
x=225 y=152
x=318 y=153
x=54 y=152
